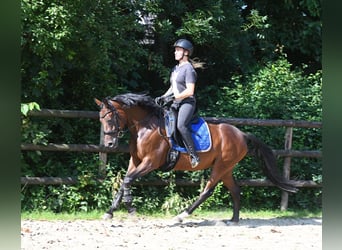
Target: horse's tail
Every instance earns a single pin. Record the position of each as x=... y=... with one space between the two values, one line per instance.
x=263 y=152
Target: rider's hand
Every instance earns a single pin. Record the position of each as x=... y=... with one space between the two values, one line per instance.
x=159 y=100
x=168 y=100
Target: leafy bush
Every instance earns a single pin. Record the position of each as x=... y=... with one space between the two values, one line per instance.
x=277 y=91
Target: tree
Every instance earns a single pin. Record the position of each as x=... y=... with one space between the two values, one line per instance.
x=295 y=26
x=72 y=50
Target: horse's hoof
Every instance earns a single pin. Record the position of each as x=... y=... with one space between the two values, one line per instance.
x=220 y=223
x=132 y=211
x=107 y=216
x=180 y=218
x=232 y=223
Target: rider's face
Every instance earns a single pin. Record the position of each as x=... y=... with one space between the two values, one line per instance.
x=179 y=53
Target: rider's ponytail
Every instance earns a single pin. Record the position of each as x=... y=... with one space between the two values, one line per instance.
x=196 y=63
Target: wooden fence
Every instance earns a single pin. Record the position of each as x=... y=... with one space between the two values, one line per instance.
x=287 y=152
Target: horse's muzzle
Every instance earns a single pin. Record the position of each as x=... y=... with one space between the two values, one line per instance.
x=113 y=143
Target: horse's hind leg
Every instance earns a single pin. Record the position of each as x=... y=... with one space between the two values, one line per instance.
x=234 y=189
x=207 y=192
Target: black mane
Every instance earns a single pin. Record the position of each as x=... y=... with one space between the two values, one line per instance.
x=142 y=100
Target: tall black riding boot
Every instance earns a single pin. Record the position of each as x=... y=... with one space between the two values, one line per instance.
x=189 y=144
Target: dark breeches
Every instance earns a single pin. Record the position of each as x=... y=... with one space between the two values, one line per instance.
x=185 y=114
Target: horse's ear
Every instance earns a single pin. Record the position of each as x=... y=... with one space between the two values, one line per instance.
x=98 y=102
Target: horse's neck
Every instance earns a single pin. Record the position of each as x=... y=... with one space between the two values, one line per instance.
x=137 y=117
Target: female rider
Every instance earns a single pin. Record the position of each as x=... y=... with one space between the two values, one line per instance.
x=182 y=86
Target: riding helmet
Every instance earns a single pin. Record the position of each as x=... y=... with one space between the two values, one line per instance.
x=185 y=44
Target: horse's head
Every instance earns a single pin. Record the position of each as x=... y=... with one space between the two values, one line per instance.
x=112 y=122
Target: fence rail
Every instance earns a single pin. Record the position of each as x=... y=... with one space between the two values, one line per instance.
x=124 y=149
x=233 y=121
x=287 y=153
x=179 y=182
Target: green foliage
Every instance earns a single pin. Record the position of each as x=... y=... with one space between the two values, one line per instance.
x=30 y=131
x=199 y=26
x=88 y=194
x=296 y=26
x=274 y=91
x=26 y=107
x=220 y=198
x=68 y=51
x=174 y=202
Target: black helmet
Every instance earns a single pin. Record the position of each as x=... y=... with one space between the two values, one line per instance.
x=185 y=44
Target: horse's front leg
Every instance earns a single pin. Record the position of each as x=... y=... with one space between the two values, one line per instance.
x=115 y=204
x=143 y=168
x=124 y=191
x=135 y=170
x=127 y=198
x=125 y=195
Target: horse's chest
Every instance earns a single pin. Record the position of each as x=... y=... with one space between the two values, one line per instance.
x=143 y=138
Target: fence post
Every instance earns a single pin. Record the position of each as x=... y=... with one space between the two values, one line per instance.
x=102 y=156
x=287 y=168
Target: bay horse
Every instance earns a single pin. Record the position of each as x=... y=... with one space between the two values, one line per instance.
x=149 y=146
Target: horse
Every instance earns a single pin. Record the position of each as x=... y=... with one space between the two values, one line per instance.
x=149 y=147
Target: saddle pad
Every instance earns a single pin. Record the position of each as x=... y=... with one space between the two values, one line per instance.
x=201 y=136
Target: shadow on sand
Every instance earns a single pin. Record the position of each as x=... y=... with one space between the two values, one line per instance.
x=252 y=223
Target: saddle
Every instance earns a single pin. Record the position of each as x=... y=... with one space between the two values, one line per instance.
x=200 y=134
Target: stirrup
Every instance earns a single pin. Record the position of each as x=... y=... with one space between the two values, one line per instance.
x=194 y=160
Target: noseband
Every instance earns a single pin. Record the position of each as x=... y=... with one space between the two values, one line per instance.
x=118 y=131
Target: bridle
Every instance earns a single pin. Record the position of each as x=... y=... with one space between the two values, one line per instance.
x=118 y=131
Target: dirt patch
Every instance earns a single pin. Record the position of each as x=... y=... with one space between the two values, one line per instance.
x=146 y=233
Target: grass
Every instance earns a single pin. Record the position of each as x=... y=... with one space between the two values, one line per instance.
x=199 y=214
x=261 y=214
